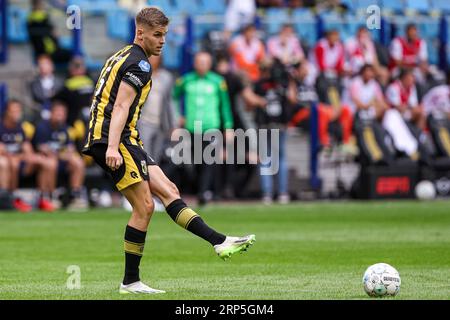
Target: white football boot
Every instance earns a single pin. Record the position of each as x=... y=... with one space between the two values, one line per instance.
x=233 y=245
x=138 y=287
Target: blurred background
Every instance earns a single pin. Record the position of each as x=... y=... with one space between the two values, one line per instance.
x=359 y=90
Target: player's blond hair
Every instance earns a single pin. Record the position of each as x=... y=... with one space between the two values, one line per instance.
x=152 y=17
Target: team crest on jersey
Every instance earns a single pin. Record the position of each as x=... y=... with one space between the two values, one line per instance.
x=144 y=167
x=144 y=65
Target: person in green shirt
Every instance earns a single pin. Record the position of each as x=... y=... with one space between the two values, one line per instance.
x=204 y=105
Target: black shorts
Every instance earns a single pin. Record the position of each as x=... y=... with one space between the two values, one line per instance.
x=134 y=168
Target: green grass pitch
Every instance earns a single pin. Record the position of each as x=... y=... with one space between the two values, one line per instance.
x=303 y=251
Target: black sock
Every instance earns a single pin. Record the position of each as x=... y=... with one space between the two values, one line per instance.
x=134 y=248
x=190 y=220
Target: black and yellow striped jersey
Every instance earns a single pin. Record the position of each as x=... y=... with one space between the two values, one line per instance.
x=130 y=65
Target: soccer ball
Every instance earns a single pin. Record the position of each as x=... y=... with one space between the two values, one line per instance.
x=381 y=280
x=425 y=190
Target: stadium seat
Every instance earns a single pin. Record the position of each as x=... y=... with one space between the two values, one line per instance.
x=174 y=42
x=17 y=25
x=396 y=6
x=275 y=18
x=443 y=5
x=95 y=7
x=364 y=4
x=66 y=42
x=422 y=6
x=305 y=25
x=167 y=6
x=189 y=7
x=350 y=4
x=202 y=27
x=213 y=7
x=118 y=24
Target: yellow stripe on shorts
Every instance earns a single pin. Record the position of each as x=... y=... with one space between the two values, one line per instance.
x=132 y=174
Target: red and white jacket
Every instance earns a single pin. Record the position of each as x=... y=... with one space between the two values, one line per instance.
x=397 y=94
x=360 y=52
x=329 y=58
x=411 y=53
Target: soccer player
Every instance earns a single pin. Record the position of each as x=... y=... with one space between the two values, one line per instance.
x=113 y=141
x=53 y=140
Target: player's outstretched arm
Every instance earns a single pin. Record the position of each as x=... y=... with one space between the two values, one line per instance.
x=125 y=97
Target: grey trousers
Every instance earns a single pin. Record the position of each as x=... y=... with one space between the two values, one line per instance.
x=153 y=139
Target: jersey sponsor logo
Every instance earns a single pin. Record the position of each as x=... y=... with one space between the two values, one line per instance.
x=134 y=79
x=144 y=65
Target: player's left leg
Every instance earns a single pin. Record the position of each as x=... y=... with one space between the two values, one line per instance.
x=187 y=218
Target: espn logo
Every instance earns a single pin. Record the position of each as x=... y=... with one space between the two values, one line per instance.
x=393 y=185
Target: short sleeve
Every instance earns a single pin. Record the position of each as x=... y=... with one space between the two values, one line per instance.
x=137 y=75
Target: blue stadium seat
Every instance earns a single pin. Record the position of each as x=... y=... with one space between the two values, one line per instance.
x=95 y=7
x=350 y=4
x=17 y=25
x=174 y=41
x=190 y=7
x=396 y=6
x=275 y=18
x=418 y=5
x=213 y=6
x=66 y=42
x=118 y=24
x=305 y=25
x=364 y=4
x=202 y=28
x=443 y=5
x=345 y=24
x=165 y=5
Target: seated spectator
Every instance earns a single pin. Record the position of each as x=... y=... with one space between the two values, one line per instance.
x=53 y=140
x=42 y=34
x=329 y=58
x=45 y=85
x=361 y=50
x=286 y=46
x=239 y=13
x=329 y=55
x=411 y=52
x=405 y=109
x=22 y=160
x=437 y=101
x=402 y=95
x=246 y=52
x=302 y=94
x=365 y=96
x=77 y=95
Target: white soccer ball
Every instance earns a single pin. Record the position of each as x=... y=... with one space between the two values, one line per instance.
x=381 y=280
x=425 y=190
